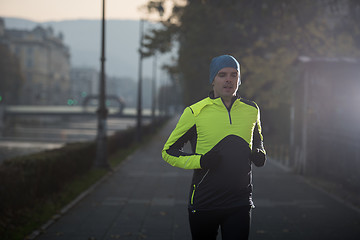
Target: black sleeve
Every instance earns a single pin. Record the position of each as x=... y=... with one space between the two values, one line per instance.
x=177 y=148
x=258 y=153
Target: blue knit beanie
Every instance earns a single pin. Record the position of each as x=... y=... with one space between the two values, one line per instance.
x=221 y=62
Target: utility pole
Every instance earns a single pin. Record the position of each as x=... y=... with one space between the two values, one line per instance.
x=139 y=102
x=101 y=139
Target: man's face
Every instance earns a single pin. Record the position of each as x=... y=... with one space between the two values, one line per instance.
x=225 y=83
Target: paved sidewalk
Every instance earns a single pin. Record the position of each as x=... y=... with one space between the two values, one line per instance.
x=147 y=199
x=287 y=207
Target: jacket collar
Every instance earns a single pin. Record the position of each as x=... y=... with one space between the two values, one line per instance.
x=211 y=96
x=218 y=100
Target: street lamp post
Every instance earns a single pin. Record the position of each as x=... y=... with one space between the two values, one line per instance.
x=153 y=90
x=101 y=139
x=139 y=101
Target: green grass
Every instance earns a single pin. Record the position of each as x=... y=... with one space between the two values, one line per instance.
x=119 y=156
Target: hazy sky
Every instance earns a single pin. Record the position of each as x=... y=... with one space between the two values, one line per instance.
x=55 y=10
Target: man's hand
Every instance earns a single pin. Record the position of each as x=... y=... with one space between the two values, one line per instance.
x=258 y=157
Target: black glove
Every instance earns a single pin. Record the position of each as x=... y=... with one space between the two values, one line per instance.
x=258 y=157
x=210 y=159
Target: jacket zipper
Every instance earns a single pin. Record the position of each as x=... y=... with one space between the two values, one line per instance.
x=229 y=116
x=192 y=195
x=228 y=109
x=194 y=189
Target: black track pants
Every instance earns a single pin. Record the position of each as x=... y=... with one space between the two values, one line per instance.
x=234 y=224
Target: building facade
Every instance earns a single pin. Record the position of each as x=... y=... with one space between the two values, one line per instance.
x=45 y=64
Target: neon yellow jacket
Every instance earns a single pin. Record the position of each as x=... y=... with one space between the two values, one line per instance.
x=210 y=126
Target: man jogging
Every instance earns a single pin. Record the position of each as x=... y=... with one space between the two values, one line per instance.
x=224 y=131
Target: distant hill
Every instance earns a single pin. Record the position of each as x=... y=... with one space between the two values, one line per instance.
x=84 y=40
